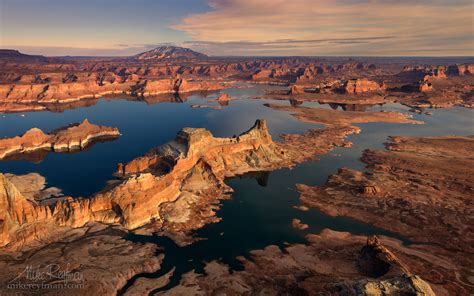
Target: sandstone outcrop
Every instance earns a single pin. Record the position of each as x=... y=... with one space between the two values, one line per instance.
x=173 y=85
x=175 y=188
x=223 y=99
x=420 y=188
x=33 y=187
x=37 y=96
x=357 y=86
x=426 y=87
x=93 y=259
x=31 y=85
x=73 y=137
x=335 y=118
x=296 y=223
x=333 y=263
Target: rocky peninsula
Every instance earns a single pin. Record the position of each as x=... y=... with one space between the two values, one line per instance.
x=175 y=188
x=336 y=118
x=34 y=97
x=172 y=190
x=33 y=83
x=420 y=188
x=73 y=137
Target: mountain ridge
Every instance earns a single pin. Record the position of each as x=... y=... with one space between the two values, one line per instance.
x=170 y=53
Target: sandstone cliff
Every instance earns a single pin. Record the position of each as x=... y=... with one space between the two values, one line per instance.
x=92 y=86
x=175 y=187
x=356 y=86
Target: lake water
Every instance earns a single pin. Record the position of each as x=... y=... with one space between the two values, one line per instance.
x=262 y=206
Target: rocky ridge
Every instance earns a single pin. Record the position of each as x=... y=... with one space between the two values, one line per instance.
x=73 y=137
x=175 y=188
x=170 y=53
x=337 y=118
x=332 y=263
x=14 y=97
x=31 y=85
x=420 y=188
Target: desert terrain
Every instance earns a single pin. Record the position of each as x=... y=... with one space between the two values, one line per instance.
x=406 y=207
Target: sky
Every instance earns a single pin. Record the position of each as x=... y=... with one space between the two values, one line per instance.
x=240 y=27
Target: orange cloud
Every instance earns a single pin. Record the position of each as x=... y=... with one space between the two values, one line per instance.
x=417 y=27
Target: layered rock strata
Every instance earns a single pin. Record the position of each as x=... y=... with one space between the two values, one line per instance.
x=94 y=259
x=418 y=87
x=420 y=188
x=73 y=137
x=30 y=85
x=175 y=187
x=25 y=96
x=332 y=263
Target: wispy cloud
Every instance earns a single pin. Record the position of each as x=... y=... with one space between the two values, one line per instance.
x=333 y=27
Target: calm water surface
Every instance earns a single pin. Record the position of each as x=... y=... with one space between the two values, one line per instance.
x=262 y=207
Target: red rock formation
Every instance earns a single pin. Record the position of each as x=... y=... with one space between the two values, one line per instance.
x=94 y=86
x=357 y=86
x=420 y=188
x=296 y=89
x=426 y=87
x=75 y=136
x=173 y=85
x=336 y=118
x=327 y=264
x=173 y=186
x=466 y=69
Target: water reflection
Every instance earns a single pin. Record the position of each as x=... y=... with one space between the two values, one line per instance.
x=261 y=209
x=262 y=178
x=37 y=156
x=351 y=107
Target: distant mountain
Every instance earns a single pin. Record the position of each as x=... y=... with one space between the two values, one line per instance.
x=15 y=55
x=170 y=53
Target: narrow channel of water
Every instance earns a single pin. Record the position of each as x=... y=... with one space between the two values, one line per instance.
x=262 y=205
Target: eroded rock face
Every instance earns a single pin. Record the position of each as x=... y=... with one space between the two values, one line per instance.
x=414 y=86
x=36 y=95
x=91 y=260
x=224 y=98
x=33 y=187
x=32 y=86
x=357 y=86
x=175 y=188
x=173 y=85
x=326 y=266
x=73 y=137
x=424 y=193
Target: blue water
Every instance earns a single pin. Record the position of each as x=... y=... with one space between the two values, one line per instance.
x=142 y=126
x=262 y=205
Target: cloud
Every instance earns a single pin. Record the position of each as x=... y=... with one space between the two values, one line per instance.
x=333 y=27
